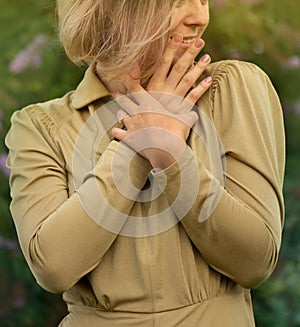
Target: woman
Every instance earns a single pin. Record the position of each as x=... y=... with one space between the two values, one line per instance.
x=148 y=210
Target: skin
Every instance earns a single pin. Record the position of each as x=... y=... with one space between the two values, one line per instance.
x=158 y=118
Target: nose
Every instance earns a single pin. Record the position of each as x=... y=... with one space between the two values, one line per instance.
x=197 y=13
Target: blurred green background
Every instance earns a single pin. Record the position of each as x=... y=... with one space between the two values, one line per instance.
x=34 y=68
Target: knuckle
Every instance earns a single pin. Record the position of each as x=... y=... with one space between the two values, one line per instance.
x=180 y=68
x=193 y=97
x=164 y=62
x=196 y=93
x=188 y=79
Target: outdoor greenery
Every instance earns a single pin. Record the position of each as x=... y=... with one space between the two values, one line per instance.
x=33 y=68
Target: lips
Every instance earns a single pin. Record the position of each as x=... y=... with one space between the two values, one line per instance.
x=187 y=41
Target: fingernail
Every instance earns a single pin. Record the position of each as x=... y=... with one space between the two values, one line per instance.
x=208 y=80
x=198 y=43
x=205 y=58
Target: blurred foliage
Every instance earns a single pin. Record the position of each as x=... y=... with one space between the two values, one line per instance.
x=34 y=68
x=264 y=32
x=22 y=302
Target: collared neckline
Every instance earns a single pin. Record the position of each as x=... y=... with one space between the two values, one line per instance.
x=89 y=90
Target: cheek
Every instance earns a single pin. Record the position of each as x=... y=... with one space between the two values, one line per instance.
x=175 y=19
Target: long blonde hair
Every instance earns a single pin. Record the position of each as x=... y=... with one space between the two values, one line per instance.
x=117 y=33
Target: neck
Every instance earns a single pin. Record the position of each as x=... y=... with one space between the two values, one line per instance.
x=113 y=86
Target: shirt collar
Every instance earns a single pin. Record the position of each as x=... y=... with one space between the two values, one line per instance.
x=89 y=90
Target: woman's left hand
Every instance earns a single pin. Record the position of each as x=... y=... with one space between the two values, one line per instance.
x=158 y=119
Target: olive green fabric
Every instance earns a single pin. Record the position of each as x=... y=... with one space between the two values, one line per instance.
x=196 y=271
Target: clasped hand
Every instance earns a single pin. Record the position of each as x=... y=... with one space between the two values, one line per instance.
x=158 y=119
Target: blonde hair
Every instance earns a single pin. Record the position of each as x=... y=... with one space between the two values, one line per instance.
x=117 y=33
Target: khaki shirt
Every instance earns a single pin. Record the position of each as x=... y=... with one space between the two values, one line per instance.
x=130 y=246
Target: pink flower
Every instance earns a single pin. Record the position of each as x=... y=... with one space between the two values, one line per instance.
x=8 y=244
x=30 y=56
x=293 y=62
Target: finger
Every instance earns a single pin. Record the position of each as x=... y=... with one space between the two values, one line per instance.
x=189 y=119
x=131 y=83
x=184 y=63
x=196 y=93
x=119 y=133
x=128 y=105
x=192 y=76
x=170 y=103
x=164 y=66
x=121 y=114
x=117 y=95
x=148 y=102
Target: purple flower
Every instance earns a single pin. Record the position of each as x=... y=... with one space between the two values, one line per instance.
x=293 y=62
x=235 y=54
x=5 y=170
x=30 y=56
x=8 y=244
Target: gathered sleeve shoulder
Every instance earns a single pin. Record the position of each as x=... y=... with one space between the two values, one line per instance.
x=248 y=117
x=241 y=237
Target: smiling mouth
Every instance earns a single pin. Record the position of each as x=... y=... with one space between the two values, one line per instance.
x=188 y=41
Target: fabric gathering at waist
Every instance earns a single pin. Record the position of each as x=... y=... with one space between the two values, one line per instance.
x=223 y=310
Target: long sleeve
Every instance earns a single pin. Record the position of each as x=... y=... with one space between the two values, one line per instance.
x=59 y=239
x=242 y=235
